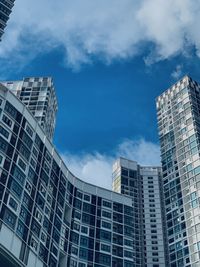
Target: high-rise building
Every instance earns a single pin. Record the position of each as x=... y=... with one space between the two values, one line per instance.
x=48 y=217
x=178 y=110
x=144 y=186
x=38 y=94
x=5 y=10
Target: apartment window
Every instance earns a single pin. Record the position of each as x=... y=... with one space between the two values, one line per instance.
x=155 y=248
x=128 y=242
x=106 y=214
x=79 y=194
x=33 y=163
x=16 y=188
x=9 y=218
x=36 y=228
x=7 y=121
x=27 y=140
x=3 y=145
x=155 y=259
x=105 y=248
x=1 y=159
x=76 y=226
x=24 y=152
x=38 y=215
x=43 y=237
x=4 y=132
x=10 y=110
x=86 y=198
x=13 y=204
x=84 y=230
x=18 y=175
x=154 y=253
x=28 y=187
x=128 y=254
x=107 y=204
x=151 y=196
x=34 y=244
x=106 y=225
x=124 y=171
x=21 y=164
x=74 y=250
x=29 y=130
x=20 y=229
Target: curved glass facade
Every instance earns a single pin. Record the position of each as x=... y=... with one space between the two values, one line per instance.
x=48 y=217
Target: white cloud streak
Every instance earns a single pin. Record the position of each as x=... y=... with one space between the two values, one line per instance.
x=178 y=72
x=96 y=168
x=105 y=29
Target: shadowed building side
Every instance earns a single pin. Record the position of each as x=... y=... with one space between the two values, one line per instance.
x=48 y=217
x=5 y=10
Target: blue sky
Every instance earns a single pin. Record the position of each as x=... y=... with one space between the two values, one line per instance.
x=109 y=61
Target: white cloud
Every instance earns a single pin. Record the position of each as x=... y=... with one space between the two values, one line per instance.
x=178 y=72
x=96 y=168
x=107 y=29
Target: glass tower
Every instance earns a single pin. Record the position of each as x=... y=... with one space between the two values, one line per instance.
x=38 y=94
x=143 y=185
x=178 y=110
x=48 y=217
x=5 y=10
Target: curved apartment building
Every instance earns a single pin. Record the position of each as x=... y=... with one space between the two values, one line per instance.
x=5 y=10
x=48 y=217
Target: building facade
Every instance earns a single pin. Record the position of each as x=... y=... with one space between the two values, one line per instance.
x=5 y=10
x=48 y=217
x=178 y=111
x=38 y=94
x=144 y=186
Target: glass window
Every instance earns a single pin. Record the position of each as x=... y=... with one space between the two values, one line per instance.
x=10 y=110
x=106 y=224
x=3 y=145
x=18 y=175
x=106 y=214
x=16 y=189
x=87 y=198
x=4 y=132
x=7 y=121
x=107 y=204
x=13 y=204
x=21 y=164
x=84 y=229
x=105 y=248
x=9 y=218
x=29 y=130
